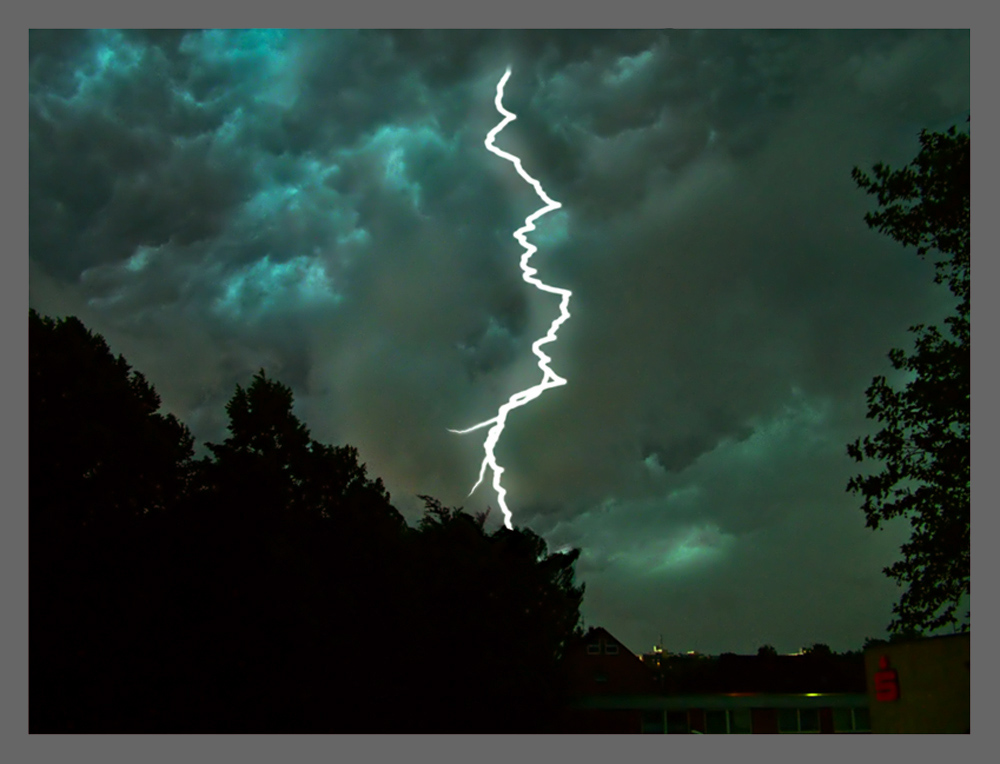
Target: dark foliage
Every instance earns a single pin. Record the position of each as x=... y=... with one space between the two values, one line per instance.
x=900 y=635
x=512 y=606
x=763 y=672
x=271 y=587
x=924 y=444
x=99 y=453
x=102 y=466
x=818 y=651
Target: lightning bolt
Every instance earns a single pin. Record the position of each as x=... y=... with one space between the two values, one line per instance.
x=549 y=377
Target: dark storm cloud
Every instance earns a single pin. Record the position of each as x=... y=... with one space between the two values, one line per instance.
x=321 y=204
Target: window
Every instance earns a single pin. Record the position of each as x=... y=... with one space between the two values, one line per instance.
x=594 y=649
x=851 y=720
x=862 y=720
x=788 y=720
x=798 y=720
x=716 y=722
x=735 y=721
x=652 y=722
x=600 y=676
x=808 y=720
x=677 y=723
x=610 y=648
x=739 y=721
x=843 y=720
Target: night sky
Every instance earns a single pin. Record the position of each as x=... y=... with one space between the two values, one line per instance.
x=321 y=204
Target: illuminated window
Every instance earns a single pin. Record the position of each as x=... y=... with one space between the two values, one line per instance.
x=610 y=649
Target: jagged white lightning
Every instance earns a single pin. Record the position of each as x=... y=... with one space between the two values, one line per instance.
x=549 y=377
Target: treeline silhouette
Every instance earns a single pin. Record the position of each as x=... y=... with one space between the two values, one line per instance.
x=818 y=670
x=268 y=587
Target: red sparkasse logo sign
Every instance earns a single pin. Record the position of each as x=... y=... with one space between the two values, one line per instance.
x=886 y=681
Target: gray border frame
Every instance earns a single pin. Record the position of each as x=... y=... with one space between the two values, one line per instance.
x=398 y=13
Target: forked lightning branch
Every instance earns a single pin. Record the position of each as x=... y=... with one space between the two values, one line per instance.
x=549 y=377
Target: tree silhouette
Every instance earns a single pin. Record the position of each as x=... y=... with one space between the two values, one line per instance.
x=269 y=587
x=924 y=444
x=819 y=650
x=305 y=552
x=767 y=651
x=270 y=460
x=99 y=453
x=492 y=616
x=103 y=466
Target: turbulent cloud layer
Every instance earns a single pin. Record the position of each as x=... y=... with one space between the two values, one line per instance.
x=321 y=204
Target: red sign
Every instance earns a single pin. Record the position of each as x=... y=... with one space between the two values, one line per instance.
x=886 y=681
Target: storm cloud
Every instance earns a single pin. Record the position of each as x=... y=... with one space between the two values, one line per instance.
x=321 y=204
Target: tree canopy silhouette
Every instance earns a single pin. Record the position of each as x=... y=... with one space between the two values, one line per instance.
x=818 y=650
x=103 y=463
x=924 y=444
x=99 y=451
x=270 y=586
x=512 y=608
x=270 y=459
